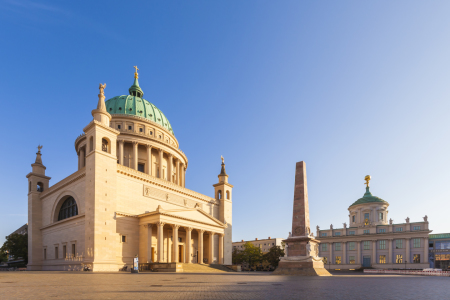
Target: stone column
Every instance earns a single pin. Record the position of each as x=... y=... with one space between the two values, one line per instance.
x=135 y=154
x=161 y=156
x=200 y=245
x=178 y=171
x=390 y=250
x=83 y=157
x=169 y=167
x=408 y=250
x=211 y=247
x=331 y=253
x=425 y=241
x=344 y=253
x=160 y=241
x=358 y=252
x=183 y=171
x=149 y=243
x=189 y=244
x=121 y=154
x=149 y=160
x=221 y=248
x=374 y=252
x=175 y=243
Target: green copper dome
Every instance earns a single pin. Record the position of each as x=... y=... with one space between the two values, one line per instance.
x=135 y=105
x=368 y=198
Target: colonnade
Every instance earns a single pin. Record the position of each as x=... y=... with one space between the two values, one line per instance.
x=145 y=244
x=374 y=247
x=180 y=169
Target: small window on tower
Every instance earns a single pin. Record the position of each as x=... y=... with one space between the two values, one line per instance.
x=124 y=238
x=141 y=168
x=104 y=145
x=141 y=129
x=118 y=126
x=130 y=127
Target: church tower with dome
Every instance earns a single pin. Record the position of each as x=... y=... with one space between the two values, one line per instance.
x=127 y=199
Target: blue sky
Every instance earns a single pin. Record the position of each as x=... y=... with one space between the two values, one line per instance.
x=350 y=87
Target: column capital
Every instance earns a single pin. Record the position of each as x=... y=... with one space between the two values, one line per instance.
x=212 y=233
x=121 y=141
x=175 y=226
x=220 y=234
x=200 y=230
x=148 y=146
x=160 y=223
x=135 y=143
x=189 y=228
x=170 y=154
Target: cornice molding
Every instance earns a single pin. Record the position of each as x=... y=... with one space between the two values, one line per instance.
x=162 y=183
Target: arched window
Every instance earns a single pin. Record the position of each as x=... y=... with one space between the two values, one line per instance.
x=91 y=143
x=40 y=187
x=104 y=145
x=228 y=195
x=68 y=209
x=219 y=194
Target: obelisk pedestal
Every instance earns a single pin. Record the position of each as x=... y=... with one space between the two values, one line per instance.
x=302 y=247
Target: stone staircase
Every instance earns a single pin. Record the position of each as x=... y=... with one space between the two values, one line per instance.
x=197 y=268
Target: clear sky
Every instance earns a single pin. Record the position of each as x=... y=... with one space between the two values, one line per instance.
x=350 y=87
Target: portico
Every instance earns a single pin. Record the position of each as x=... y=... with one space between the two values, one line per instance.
x=180 y=236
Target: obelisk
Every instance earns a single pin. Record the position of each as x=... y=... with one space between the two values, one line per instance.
x=302 y=247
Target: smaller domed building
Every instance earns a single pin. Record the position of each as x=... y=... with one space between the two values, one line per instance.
x=371 y=240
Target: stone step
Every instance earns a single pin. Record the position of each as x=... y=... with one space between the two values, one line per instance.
x=204 y=268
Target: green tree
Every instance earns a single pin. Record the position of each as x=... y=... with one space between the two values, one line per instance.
x=250 y=254
x=16 y=245
x=274 y=255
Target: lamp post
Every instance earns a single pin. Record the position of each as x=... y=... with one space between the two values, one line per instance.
x=405 y=264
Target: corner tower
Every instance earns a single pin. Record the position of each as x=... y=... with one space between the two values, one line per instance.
x=100 y=195
x=37 y=183
x=223 y=193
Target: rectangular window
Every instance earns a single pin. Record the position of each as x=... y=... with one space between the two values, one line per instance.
x=130 y=127
x=324 y=234
x=56 y=253
x=416 y=243
x=64 y=251
x=337 y=246
x=399 y=229
x=366 y=231
x=351 y=246
x=118 y=126
x=416 y=228
x=380 y=216
x=353 y=218
x=74 y=254
x=141 y=129
x=382 y=259
x=399 y=259
x=141 y=168
x=351 y=233
x=416 y=258
x=398 y=244
x=324 y=247
x=352 y=259
x=366 y=245
x=124 y=238
x=366 y=216
x=337 y=233
x=45 y=253
x=382 y=245
x=338 y=260
x=382 y=230
x=180 y=240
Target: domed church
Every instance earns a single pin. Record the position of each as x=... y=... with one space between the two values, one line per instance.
x=127 y=199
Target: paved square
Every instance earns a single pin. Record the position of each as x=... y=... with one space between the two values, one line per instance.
x=84 y=285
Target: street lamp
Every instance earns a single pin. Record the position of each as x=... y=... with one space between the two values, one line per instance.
x=405 y=264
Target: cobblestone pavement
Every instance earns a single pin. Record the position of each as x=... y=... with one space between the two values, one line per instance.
x=84 y=285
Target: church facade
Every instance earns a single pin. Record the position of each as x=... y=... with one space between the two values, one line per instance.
x=127 y=198
x=371 y=240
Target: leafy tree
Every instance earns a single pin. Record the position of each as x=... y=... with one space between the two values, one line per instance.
x=3 y=256
x=250 y=254
x=16 y=245
x=274 y=255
